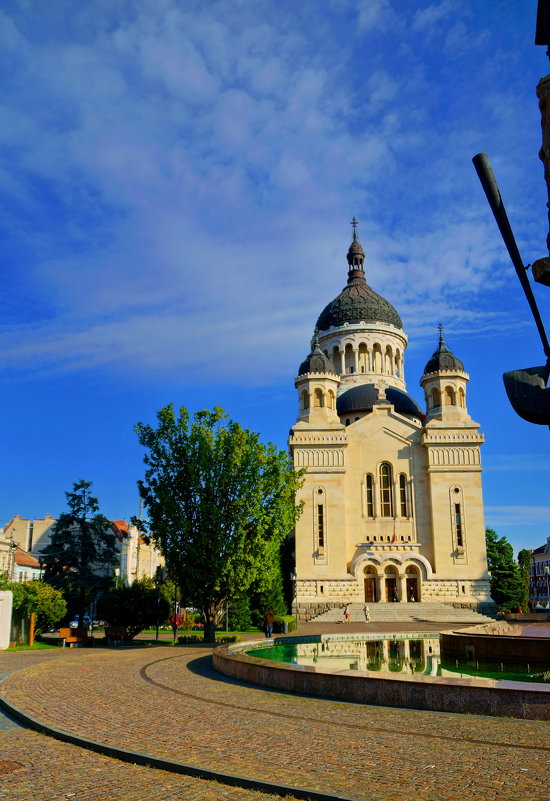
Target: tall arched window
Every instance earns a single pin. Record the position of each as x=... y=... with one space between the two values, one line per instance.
x=386 y=490
x=449 y=396
x=403 y=496
x=330 y=399
x=318 y=398
x=461 y=398
x=436 y=401
x=320 y=521
x=370 y=495
x=305 y=399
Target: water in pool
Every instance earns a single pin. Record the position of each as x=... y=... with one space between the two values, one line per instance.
x=419 y=655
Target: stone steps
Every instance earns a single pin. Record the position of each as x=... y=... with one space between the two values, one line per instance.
x=413 y=612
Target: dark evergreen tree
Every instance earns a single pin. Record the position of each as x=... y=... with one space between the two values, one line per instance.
x=82 y=552
x=524 y=562
x=506 y=590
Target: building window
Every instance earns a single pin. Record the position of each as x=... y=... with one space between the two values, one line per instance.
x=386 y=490
x=318 y=398
x=403 y=500
x=449 y=396
x=330 y=399
x=435 y=398
x=305 y=400
x=459 y=526
x=319 y=521
x=370 y=495
x=320 y=527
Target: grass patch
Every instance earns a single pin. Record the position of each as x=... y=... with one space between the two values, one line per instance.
x=38 y=646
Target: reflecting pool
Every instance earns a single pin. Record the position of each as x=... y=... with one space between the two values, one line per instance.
x=405 y=654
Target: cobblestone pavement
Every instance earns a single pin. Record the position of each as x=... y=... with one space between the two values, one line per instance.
x=171 y=704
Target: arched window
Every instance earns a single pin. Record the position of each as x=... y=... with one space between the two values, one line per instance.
x=388 y=367
x=370 y=495
x=336 y=360
x=320 y=521
x=318 y=399
x=330 y=399
x=461 y=398
x=386 y=490
x=449 y=396
x=398 y=364
x=377 y=358
x=349 y=358
x=305 y=399
x=363 y=358
x=436 y=400
x=403 y=496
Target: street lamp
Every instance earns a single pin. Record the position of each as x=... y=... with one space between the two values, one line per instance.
x=294 y=580
x=547 y=571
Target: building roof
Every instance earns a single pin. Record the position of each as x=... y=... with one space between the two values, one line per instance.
x=357 y=302
x=443 y=359
x=316 y=362
x=120 y=529
x=363 y=398
x=24 y=559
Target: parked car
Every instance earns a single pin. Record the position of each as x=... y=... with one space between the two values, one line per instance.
x=86 y=622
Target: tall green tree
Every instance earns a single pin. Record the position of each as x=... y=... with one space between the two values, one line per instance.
x=506 y=589
x=82 y=552
x=524 y=562
x=134 y=606
x=219 y=502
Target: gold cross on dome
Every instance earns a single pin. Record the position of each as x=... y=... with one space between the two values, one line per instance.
x=354 y=222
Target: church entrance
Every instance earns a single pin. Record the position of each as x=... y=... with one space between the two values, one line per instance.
x=412 y=589
x=370 y=590
x=391 y=588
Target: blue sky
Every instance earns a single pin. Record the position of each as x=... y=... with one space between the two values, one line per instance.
x=176 y=185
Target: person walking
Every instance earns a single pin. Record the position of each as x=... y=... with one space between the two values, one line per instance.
x=347 y=614
x=366 y=612
x=394 y=595
x=269 y=619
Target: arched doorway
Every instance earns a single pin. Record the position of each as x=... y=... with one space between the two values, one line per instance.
x=412 y=584
x=370 y=585
x=391 y=584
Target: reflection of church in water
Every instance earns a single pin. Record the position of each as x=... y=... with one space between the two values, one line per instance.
x=392 y=494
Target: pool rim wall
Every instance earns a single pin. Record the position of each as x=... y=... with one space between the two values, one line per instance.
x=437 y=694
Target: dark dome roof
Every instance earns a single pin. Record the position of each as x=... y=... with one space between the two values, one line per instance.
x=363 y=397
x=316 y=362
x=357 y=302
x=443 y=359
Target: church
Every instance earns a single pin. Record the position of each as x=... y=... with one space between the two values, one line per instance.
x=392 y=499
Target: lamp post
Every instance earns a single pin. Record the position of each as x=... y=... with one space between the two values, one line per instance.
x=547 y=571
x=294 y=580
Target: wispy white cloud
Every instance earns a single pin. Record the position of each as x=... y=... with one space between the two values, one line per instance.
x=178 y=168
x=517 y=515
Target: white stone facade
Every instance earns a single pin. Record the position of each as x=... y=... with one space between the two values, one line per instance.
x=392 y=492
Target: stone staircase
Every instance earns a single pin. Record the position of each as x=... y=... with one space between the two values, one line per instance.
x=405 y=612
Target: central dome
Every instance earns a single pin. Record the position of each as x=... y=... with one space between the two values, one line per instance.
x=357 y=302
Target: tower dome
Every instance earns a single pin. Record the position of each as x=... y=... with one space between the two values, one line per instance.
x=443 y=359
x=316 y=362
x=357 y=302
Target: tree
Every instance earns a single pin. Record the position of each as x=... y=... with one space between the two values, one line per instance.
x=524 y=562
x=46 y=602
x=506 y=589
x=133 y=606
x=82 y=552
x=219 y=501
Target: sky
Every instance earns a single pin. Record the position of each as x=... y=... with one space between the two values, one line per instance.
x=176 y=185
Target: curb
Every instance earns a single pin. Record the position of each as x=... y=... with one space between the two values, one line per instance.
x=172 y=766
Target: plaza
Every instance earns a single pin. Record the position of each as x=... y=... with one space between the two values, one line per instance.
x=169 y=704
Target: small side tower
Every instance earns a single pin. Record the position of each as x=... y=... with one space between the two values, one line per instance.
x=317 y=386
x=444 y=383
